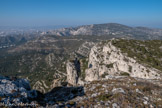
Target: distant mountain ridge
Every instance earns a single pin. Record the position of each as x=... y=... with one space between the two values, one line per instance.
x=114 y=29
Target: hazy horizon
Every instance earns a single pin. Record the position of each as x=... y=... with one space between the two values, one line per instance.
x=36 y=13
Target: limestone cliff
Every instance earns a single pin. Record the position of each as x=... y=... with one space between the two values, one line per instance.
x=73 y=72
x=72 y=68
x=106 y=59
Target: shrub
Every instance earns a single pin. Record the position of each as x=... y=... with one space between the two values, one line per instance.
x=105 y=97
x=146 y=89
x=125 y=74
x=130 y=68
x=147 y=52
x=147 y=71
x=109 y=65
x=103 y=75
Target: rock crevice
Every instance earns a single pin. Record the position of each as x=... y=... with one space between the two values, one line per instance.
x=73 y=70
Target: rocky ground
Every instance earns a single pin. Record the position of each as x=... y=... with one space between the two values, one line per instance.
x=121 y=92
x=15 y=91
x=117 y=92
x=112 y=76
x=111 y=92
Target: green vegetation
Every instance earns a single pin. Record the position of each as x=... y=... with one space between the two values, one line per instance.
x=83 y=67
x=109 y=65
x=130 y=68
x=29 y=59
x=31 y=65
x=104 y=75
x=147 y=71
x=146 y=52
x=105 y=97
x=125 y=74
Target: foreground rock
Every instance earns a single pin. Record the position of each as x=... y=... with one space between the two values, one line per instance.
x=15 y=91
x=113 y=91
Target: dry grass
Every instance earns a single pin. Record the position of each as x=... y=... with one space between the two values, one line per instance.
x=131 y=98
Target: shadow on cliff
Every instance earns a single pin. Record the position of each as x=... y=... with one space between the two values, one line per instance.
x=59 y=94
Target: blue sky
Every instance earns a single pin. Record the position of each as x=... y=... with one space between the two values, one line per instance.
x=80 y=12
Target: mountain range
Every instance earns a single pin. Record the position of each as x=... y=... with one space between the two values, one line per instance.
x=87 y=57
x=114 y=29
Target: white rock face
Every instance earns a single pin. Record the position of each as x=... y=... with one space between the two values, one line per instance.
x=72 y=73
x=15 y=90
x=7 y=86
x=85 y=48
x=82 y=30
x=73 y=70
x=106 y=59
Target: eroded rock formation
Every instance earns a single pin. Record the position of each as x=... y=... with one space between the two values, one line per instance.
x=73 y=69
x=106 y=59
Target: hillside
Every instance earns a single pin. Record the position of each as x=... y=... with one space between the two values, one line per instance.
x=125 y=57
x=112 y=73
x=42 y=59
x=145 y=52
x=110 y=29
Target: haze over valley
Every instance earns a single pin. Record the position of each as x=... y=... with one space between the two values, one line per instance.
x=88 y=57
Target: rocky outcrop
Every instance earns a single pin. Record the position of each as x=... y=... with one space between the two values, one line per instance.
x=40 y=86
x=85 y=48
x=73 y=69
x=15 y=91
x=73 y=72
x=106 y=59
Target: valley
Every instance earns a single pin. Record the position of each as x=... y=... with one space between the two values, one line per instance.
x=99 y=56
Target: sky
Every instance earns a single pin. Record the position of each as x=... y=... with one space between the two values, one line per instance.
x=80 y=12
